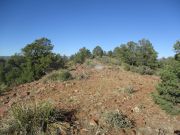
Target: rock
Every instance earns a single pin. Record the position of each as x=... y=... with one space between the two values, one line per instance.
x=75 y=91
x=122 y=132
x=83 y=131
x=28 y=93
x=93 y=123
x=58 y=131
x=14 y=95
x=136 y=109
x=177 y=132
x=133 y=132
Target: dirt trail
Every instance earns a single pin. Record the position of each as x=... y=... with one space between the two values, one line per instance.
x=102 y=91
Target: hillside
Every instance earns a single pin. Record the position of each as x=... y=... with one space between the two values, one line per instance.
x=96 y=90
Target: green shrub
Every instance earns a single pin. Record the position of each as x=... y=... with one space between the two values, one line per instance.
x=98 y=51
x=2 y=88
x=129 y=89
x=81 y=56
x=108 y=60
x=126 y=67
x=168 y=90
x=90 y=63
x=118 y=120
x=137 y=54
x=143 y=70
x=62 y=75
x=82 y=76
x=34 y=61
x=169 y=107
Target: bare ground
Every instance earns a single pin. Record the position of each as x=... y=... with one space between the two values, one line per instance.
x=103 y=90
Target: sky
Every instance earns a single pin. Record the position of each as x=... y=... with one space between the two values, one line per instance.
x=72 y=24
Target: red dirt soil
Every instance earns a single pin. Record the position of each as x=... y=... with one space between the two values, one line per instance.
x=102 y=91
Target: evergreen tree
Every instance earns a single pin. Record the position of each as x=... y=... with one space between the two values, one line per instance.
x=177 y=50
x=98 y=51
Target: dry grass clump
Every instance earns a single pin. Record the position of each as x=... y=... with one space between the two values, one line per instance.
x=34 y=119
x=61 y=75
x=118 y=120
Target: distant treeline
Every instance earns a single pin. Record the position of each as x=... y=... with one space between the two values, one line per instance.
x=5 y=57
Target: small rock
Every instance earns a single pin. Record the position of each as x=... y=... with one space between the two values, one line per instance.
x=122 y=132
x=92 y=123
x=14 y=95
x=28 y=93
x=177 y=132
x=83 y=131
x=136 y=109
x=75 y=91
x=133 y=132
x=6 y=102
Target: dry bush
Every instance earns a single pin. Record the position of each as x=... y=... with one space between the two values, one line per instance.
x=35 y=119
x=61 y=75
x=118 y=120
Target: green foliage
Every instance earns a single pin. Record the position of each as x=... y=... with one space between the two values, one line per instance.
x=143 y=70
x=126 y=67
x=117 y=52
x=81 y=56
x=169 y=88
x=35 y=60
x=147 y=56
x=118 y=120
x=38 y=56
x=177 y=50
x=168 y=91
x=110 y=54
x=62 y=75
x=128 y=53
x=163 y=62
x=90 y=63
x=177 y=47
x=12 y=69
x=2 y=70
x=98 y=51
x=2 y=88
x=169 y=107
x=137 y=54
x=109 y=60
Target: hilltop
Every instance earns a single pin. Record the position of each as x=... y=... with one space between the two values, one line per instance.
x=95 y=90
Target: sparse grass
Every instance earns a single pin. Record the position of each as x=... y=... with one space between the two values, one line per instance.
x=109 y=60
x=82 y=76
x=90 y=63
x=118 y=120
x=3 y=88
x=129 y=90
x=62 y=75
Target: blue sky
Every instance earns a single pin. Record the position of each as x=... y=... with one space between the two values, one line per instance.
x=72 y=24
